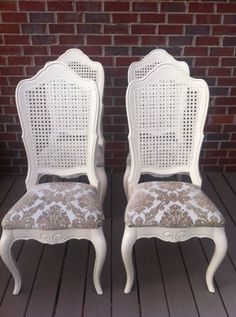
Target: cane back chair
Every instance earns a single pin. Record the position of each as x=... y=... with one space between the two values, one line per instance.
x=140 y=69
x=59 y=113
x=86 y=68
x=166 y=114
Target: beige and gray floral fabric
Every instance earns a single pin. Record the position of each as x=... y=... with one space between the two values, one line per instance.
x=53 y=206
x=171 y=204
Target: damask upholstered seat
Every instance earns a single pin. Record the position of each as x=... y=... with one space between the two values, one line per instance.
x=54 y=206
x=172 y=205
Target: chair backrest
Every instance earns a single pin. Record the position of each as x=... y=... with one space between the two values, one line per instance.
x=166 y=114
x=58 y=112
x=88 y=69
x=140 y=69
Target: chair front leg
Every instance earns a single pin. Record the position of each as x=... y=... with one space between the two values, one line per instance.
x=128 y=241
x=220 y=241
x=6 y=255
x=99 y=243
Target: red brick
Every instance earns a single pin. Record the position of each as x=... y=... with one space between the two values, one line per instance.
x=208 y=19
x=116 y=50
x=173 y=6
x=13 y=128
x=97 y=17
x=224 y=29
x=11 y=71
x=207 y=40
x=226 y=7
x=180 y=18
x=145 y=6
x=216 y=153
x=44 y=39
x=229 y=169
x=41 y=17
x=41 y=60
x=61 y=28
x=124 y=17
x=232 y=110
x=228 y=81
x=11 y=109
x=14 y=17
x=125 y=61
x=217 y=136
x=228 y=61
x=125 y=40
x=88 y=6
x=213 y=168
x=8 y=153
x=232 y=153
x=198 y=71
x=207 y=61
x=6 y=5
x=116 y=6
x=69 y=17
x=71 y=39
x=219 y=72
x=195 y=51
x=226 y=101
x=170 y=29
x=233 y=89
x=143 y=50
x=201 y=7
x=89 y=28
x=33 y=28
x=9 y=28
x=116 y=29
x=152 y=18
x=222 y=119
x=226 y=161
x=98 y=39
x=10 y=50
x=197 y=29
x=32 y=5
x=208 y=161
x=17 y=39
x=32 y=70
x=8 y=136
x=35 y=50
x=153 y=40
x=180 y=40
x=229 y=41
x=19 y=60
x=230 y=19
x=212 y=128
x=60 y=6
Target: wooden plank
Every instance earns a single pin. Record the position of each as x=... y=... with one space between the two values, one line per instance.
x=225 y=193
x=151 y=288
x=226 y=274
x=178 y=291
x=122 y=304
x=96 y=305
x=73 y=280
x=196 y=265
x=5 y=185
x=28 y=264
x=231 y=178
x=44 y=293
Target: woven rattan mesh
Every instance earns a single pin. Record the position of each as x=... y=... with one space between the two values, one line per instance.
x=58 y=116
x=166 y=117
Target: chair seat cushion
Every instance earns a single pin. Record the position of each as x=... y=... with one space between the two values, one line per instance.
x=172 y=205
x=53 y=206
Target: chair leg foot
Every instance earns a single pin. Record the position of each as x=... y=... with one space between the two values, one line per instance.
x=220 y=241
x=99 y=243
x=128 y=241
x=6 y=255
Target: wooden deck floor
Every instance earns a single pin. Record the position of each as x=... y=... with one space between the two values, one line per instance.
x=169 y=281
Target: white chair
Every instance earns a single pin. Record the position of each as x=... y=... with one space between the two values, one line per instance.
x=59 y=113
x=166 y=114
x=86 y=68
x=140 y=69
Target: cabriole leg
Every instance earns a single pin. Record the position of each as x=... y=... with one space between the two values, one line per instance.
x=6 y=254
x=99 y=243
x=128 y=241
x=220 y=241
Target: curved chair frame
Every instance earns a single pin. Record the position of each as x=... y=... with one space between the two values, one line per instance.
x=72 y=58
x=131 y=234
x=96 y=236
x=140 y=69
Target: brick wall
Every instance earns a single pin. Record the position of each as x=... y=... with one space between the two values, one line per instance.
x=116 y=33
